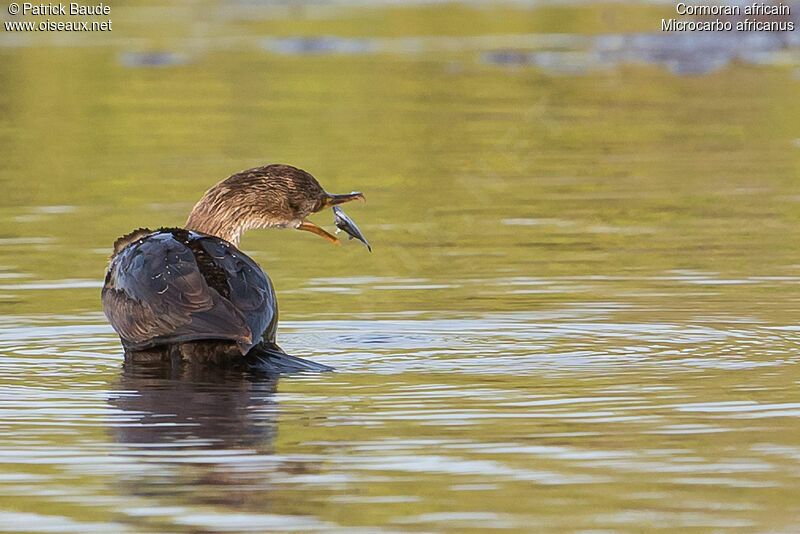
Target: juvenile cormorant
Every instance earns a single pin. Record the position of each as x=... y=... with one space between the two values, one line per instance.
x=190 y=295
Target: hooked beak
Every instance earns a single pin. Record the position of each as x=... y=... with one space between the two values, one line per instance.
x=335 y=200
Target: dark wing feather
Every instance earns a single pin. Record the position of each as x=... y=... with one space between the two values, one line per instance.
x=155 y=295
x=248 y=288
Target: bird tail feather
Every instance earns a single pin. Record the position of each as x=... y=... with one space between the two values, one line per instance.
x=271 y=359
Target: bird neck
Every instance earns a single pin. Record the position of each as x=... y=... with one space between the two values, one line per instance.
x=223 y=214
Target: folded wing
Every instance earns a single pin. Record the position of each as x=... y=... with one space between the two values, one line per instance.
x=159 y=292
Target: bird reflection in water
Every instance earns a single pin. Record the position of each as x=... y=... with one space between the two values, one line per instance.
x=195 y=406
x=200 y=436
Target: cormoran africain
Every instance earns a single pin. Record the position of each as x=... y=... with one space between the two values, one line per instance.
x=190 y=295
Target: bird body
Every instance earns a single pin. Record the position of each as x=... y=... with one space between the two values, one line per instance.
x=190 y=294
x=175 y=285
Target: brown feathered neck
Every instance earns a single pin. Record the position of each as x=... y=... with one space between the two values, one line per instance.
x=275 y=196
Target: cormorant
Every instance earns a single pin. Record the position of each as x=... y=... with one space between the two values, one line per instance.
x=190 y=295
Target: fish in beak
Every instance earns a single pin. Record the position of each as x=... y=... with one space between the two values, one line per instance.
x=343 y=222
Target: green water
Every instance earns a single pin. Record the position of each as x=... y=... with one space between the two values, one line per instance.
x=579 y=314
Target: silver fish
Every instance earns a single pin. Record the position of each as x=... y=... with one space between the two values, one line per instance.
x=343 y=222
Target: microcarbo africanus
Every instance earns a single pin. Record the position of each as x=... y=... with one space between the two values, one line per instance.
x=190 y=295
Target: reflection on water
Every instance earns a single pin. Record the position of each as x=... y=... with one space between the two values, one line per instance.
x=494 y=422
x=194 y=408
x=579 y=314
x=186 y=433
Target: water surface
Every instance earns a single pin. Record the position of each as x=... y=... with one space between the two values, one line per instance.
x=579 y=314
